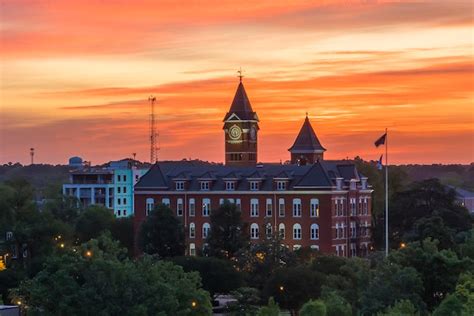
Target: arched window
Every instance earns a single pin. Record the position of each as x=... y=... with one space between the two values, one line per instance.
x=296 y=207
x=206 y=228
x=192 y=207
x=254 y=208
x=166 y=201
x=150 y=204
x=281 y=207
x=314 y=231
x=206 y=207
x=281 y=230
x=254 y=231
x=297 y=231
x=179 y=207
x=314 y=211
x=268 y=230
x=192 y=230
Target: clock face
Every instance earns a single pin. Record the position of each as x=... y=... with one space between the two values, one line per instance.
x=235 y=132
x=253 y=133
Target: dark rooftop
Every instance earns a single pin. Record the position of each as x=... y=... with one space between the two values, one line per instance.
x=307 y=141
x=241 y=106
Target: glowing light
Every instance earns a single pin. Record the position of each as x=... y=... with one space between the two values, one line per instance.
x=18 y=302
x=193 y=304
x=88 y=253
x=61 y=245
x=282 y=288
x=403 y=245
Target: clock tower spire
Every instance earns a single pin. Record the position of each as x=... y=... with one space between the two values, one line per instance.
x=241 y=129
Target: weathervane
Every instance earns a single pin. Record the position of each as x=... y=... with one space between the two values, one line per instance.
x=240 y=72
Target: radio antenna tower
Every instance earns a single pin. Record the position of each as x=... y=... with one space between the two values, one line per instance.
x=153 y=134
x=32 y=154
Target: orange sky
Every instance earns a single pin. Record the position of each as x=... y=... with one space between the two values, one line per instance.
x=75 y=76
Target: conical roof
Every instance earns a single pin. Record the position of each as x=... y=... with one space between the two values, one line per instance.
x=241 y=105
x=307 y=141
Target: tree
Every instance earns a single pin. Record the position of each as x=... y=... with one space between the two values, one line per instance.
x=403 y=307
x=313 y=308
x=228 y=232
x=218 y=276
x=94 y=221
x=162 y=233
x=122 y=230
x=336 y=305
x=461 y=301
x=439 y=269
x=247 y=301
x=390 y=283
x=292 y=287
x=97 y=278
x=271 y=309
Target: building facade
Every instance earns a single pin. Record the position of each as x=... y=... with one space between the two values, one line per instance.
x=110 y=186
x=311 y=202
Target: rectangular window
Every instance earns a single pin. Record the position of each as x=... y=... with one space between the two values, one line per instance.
x=238 y=205
x=281 y=207
x=314 y=208
x=253 y=185
x=269 y=208
x=150 y=204
x=192 y=230
x=118 y=178
x=230 y=185
x=179 y=185
x=118 y=201
x=124 y=201
x=281 y=185
x=118 y=190
x=192 y=207
x=360 y=205
x=366 y=206
x=179 y=207
x=192 y=249
x=353 y=207
x=206 y=207
x=353 y=230
x=254 y=208
x=296 y=207
x=166 y=201
x=124 y=189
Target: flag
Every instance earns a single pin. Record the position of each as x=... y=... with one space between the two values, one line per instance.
x=381 y=140
x=379 y=163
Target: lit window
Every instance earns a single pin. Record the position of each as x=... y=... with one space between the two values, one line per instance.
x=192 y=249
x=254 y=231
x=179 y=207
x=297 y=231
x=192 y=207
x=314 y=208
x=254 y=207
x=296 y=207
x=268 y=230
x=314 y=231
x=206 y=207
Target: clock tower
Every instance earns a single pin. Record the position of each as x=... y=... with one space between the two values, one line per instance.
x=241 y=131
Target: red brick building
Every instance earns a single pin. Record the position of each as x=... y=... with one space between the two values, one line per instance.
x=312 y=202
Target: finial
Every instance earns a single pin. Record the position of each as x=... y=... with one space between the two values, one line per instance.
x=306 y=114
x=240 y=74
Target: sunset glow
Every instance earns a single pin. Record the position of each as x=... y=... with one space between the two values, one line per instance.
x=76 y=75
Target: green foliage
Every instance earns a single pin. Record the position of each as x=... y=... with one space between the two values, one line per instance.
x=94 y=221
x=228 y=232
x=271 y=309
x=461 y=302
x=162 y=233
x=390 y=283
x=402 y=307
x=313 y=308
x=439 y=269
x=336 y=305
x=247 y=302
x=107 y=283
x=122 y=230
x=292 y=287
x=218 y=276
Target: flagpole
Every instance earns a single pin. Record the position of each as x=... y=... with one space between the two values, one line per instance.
x=386 y=193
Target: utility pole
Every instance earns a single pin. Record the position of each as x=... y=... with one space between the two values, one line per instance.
x=32 y=155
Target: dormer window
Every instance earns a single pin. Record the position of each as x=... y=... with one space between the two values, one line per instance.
x=281 y=185
x=205 y=185
x=179 y=185
x=230 y=185
x=253 y=185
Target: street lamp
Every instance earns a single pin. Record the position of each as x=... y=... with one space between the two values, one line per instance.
x=403 y=245
x=193 y=304
x=88 y=253
x=282 y=288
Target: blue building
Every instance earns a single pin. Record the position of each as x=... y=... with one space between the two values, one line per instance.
x=111 y=186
